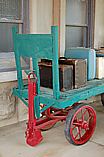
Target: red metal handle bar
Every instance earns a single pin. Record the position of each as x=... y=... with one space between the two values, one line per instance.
x=33 y=135
x=34 y=77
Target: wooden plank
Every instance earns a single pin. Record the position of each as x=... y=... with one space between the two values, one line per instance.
x=56 y=18
x=56 y=12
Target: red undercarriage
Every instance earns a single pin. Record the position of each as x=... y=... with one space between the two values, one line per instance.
x=47 y=120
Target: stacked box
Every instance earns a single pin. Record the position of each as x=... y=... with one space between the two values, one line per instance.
x=65 y=76
x=84 y=53
x=79 y=71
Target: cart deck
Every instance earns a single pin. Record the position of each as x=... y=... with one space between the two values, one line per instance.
x=67 y=98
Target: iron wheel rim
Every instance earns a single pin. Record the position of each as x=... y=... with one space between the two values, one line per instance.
x=89 y=126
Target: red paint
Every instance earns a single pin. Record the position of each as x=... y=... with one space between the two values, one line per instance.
x=48 y=119
x=33 y=135
x=85 y=122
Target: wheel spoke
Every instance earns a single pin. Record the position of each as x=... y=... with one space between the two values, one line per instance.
x=83 y=114
x=79 y=132
x=76 y=118
x=76 y=135
x=89 y=118
x=77 y=124
x=73 y=128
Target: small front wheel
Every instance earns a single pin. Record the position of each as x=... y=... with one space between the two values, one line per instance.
x=80 y=124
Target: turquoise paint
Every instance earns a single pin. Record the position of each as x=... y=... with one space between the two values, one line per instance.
x=37 y=46
x=37 y=107
x=55 y=66
x=45 y=46
x=36 y=70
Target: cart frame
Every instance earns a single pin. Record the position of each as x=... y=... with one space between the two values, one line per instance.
x=45 y=46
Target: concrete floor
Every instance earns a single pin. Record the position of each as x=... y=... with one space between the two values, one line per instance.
x=12 y=142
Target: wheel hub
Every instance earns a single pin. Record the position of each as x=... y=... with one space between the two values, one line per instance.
x=82 y=124
x=85 y=125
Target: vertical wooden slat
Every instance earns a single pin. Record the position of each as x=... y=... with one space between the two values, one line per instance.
x=55 y=67
x=56 y=18
x=62 y=26
x=36 y=70
x=91 y=21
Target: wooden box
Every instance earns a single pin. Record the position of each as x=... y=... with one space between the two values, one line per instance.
x=65 y=76
x=79 y=71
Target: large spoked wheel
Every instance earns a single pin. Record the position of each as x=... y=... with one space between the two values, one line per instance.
x=80 y=124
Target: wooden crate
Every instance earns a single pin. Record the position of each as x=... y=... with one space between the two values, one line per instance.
x=79 y=71
x=65 y=76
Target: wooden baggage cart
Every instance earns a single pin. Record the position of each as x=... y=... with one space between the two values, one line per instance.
x=46 y=106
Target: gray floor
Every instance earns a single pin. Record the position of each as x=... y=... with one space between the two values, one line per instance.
x=12 y=142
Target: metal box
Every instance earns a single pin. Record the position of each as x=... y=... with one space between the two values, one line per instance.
x=65 y=76
x=84 y=53
x=79 y=71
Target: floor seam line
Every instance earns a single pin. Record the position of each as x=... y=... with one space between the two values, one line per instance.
x=97 y=143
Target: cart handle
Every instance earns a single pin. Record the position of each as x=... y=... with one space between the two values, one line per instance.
x=33 y=79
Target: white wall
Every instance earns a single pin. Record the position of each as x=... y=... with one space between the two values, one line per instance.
x=44 y=16
x=62 y=27
x=40 y=16
x=33 y=16
x=41 y=19
x=99 y=24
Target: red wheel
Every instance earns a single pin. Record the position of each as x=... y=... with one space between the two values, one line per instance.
x=80 y=124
